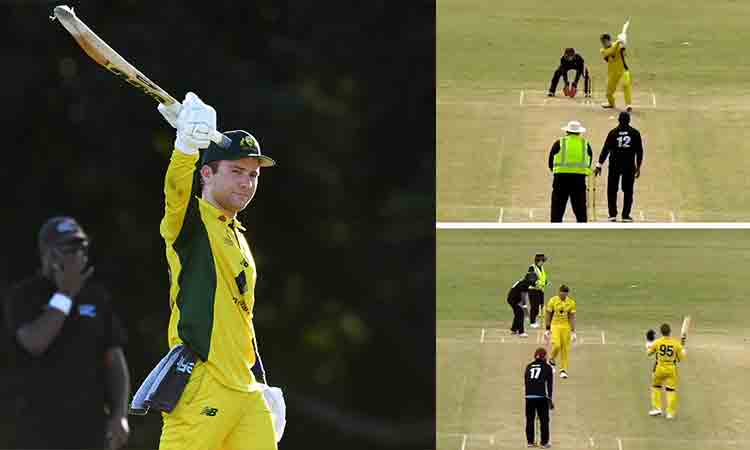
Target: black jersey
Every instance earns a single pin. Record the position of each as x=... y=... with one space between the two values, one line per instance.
x=576 y=63
x=538 y=379
x=521 y=286
x=624 y=148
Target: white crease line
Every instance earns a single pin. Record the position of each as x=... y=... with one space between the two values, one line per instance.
x=520 y=98
x=461 y=398
x=502 y=211
x=653 y=98
x=619 y=444
x=531 y=214
x=492 y=439
x=643 y=218
x=604 y=341
x=481 y=338
x=591 y=441
x=463 y=443
x=671 y=216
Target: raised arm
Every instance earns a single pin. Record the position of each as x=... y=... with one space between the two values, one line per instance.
x=194 y=121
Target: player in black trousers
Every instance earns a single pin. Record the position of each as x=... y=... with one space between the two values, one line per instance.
x=517 y=296
x=570 y=60
x=625 y=150
x=538 y=378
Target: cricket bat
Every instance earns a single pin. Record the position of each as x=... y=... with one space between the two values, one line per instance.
x=626 y=26
x=686 y=322
x=105 y=56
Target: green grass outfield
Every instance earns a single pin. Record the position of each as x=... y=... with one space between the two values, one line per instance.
x=689 y=65
x=624 y=282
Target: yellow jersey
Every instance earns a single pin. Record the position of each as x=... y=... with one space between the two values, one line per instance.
x=561 y=310
x=212 y=279
x=614 y=55
x=668 y=351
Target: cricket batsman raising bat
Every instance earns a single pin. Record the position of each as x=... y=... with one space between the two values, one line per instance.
x=617 y=67
x=669 y=352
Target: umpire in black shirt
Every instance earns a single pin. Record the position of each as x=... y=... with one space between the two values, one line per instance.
x=625 y=150
x=519 y=295
x=570 y=60
x=538 y=378
x=68 y=349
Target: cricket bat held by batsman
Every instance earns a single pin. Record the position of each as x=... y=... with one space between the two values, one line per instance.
x=105 y=56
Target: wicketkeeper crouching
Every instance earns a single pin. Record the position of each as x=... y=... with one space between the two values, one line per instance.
x=211 y=387
x=571 y=61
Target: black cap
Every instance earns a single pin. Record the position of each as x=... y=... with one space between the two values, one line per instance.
x=244 y=145
x=624 y=118
x=59 y=231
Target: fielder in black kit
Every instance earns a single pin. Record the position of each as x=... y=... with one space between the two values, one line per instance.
x=538 y=378
x=518 y=296
x=625 y=150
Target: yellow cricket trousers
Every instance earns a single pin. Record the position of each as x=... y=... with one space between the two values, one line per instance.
x=210 y=416
x=612 y=80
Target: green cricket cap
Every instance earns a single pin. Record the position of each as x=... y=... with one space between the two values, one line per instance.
x=244 y=145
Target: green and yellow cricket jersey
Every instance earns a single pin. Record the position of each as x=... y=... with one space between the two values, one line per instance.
x=212 y=279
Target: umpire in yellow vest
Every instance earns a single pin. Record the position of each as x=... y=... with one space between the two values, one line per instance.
x=570 y=162
x=536 y=291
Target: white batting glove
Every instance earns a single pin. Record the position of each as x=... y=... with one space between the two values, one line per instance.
x=573 y=337
x=195 y=122
x=275 y=401
x=623 y=38
x=170 y=113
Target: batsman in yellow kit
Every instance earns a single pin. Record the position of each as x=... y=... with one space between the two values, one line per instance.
x=560 y=322
x=668 y=351
x=617 y=69
x=225 y=405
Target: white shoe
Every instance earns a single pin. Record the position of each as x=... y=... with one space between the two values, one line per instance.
x=669 y=416
x=534 y=325
x=523 y=335
x=563 y=374
x=654 y=412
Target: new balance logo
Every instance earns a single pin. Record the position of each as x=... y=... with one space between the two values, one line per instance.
x=183 y=366
x=209 y=411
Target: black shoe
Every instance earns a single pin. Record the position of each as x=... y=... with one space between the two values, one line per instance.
x=627 y=219
x=550 y=94
x=612 y=219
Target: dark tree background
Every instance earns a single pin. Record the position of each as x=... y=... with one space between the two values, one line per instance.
x=341 y=93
